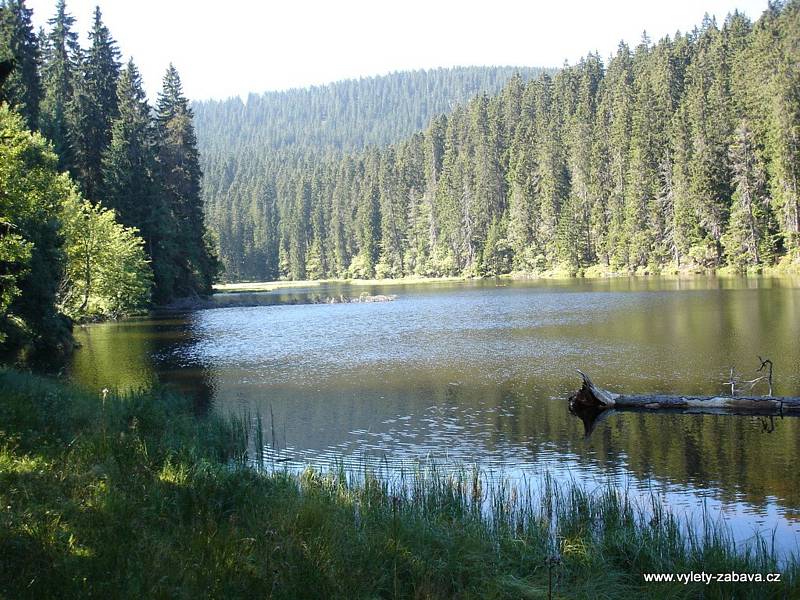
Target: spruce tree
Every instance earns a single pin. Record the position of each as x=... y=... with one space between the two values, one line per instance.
x=642 y=179
x=748 y=240
x=129 y=185
x=22 y=89
x=393 y=217
x=180 y=177
x=708 y=111
x=95 y=107
x=297 y=231
x=61 y=57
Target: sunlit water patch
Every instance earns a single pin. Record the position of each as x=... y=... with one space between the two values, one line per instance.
x=473 y=374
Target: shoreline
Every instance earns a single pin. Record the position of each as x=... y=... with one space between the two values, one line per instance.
x=722 y=274
x=135 y=494
x=192 y=303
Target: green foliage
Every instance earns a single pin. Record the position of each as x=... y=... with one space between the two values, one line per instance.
x=632 y=166
x=179 y=178
x=497 y=250
x=31 y=254
x=23 y=89
x=144 y=166
x=245 y=148
x=57 y=250
x=107 y=272
x=62 y=55
x=151 y=178
x=133 y=495
x=749 y=240
x=94 y=106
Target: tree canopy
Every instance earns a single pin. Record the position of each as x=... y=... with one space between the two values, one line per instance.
x=100 y=204
x=672 y=155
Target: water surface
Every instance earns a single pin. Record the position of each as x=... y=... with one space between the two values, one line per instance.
x=479 y=373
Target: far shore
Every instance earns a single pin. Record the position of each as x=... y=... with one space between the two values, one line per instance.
x=791 y=271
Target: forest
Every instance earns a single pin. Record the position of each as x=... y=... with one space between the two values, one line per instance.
x=345 y=115
x=317 y=441
x=672 y=156
x=100 y=199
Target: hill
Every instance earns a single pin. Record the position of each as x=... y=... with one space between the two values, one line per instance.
x=237 y=138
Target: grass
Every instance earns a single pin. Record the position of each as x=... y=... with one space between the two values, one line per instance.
x=268 y=286
x=134 y=496
x=785 y=269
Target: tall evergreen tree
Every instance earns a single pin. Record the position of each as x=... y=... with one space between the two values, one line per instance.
x=94 y=107
x=129 y=185
x=61 y=58
x=749 y=240
x=180 y=177
x=22 y=89
x=708 y=110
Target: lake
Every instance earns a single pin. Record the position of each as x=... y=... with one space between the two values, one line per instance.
x=479 y=373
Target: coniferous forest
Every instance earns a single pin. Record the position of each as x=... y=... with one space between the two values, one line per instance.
x=100 y=191
x=322 y=440
x=680 y=154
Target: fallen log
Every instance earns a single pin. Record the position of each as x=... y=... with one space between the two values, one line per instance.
x=591 y=396
x=593 y=404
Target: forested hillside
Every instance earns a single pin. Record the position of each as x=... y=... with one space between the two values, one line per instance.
x=684 y=153
x=235 y=138
x=345 y=115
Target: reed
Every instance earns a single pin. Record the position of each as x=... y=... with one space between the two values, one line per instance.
x=135 y=496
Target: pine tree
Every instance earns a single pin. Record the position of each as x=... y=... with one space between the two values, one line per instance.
x=497 y=251
x=265 y=202
x=553 y=176
x=523 y=186
x=129 y=187
x=179 y=176
x=62 y=54
x=368 y=222
x=22 y=90
x=392 y=216
x=617 y=108
x=748 y=240
x=708 y=112
x=576 y=247
x=95 y=107
x=297 y=230
x=642 y=184
x=686 y=229
x=341 y=217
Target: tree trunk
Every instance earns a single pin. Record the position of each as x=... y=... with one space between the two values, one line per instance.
x=592 y=405
x=591 y=396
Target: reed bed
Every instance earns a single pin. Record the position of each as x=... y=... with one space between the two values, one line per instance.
x=134 y=495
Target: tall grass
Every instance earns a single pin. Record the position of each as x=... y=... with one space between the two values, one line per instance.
x=136 y=497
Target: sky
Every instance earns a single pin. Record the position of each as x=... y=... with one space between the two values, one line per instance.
x=230 y=48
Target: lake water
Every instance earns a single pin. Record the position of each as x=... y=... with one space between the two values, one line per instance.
x=479 y=373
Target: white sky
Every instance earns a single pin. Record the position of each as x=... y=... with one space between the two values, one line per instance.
x=232 y=47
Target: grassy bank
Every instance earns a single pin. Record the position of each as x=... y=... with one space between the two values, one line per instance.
x=785 y=269
x=268 y=286
x=134 y=496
